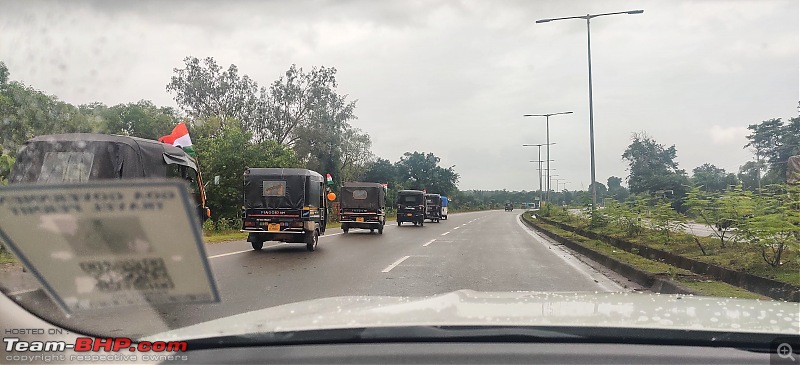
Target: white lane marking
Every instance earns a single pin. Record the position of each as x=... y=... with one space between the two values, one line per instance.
x=605 y=282
x=445 y=234
x=429 y=242
x=242 y=251
x=20 y=292
x=398 y=262
x=454 y=228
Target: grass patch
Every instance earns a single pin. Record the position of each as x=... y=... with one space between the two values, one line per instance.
x=639 y=262
x=681 y=276
x=736 y=256
x=216 y=237
x=7 y=258
x=719 y=289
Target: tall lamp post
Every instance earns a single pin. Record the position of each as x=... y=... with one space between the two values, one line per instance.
x=547 y=119
x=539 y=145
x=557 y=183
x=588 y=17
x=540 y=178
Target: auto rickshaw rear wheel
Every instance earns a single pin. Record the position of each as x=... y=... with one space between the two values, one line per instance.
x=257 y=245
x=312 y=238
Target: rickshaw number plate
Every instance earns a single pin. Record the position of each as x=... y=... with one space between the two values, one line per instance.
x=360 y=219
x=274 y=227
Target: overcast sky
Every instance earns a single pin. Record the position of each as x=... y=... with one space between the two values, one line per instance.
x=451 y=77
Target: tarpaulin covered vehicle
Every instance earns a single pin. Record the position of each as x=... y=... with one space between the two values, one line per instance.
x=445 y=200
x=411 y=207
x=283 y=204
x=433 y=207
x=363 y=205
x=83 y=157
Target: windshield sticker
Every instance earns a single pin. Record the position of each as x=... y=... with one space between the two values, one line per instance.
x=359 y=194
x=274 y=188
x=109 y=244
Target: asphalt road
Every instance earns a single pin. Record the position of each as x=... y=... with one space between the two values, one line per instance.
x=482 y=251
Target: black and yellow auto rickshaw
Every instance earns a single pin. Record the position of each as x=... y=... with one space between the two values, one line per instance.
x=433 y=207
x=283 y=204
x=363 y=205
x=82 y=157
x=411 y=207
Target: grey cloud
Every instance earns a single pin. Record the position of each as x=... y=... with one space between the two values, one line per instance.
x=450 y=77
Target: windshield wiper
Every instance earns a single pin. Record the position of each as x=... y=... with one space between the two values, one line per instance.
x=555 y=334
x=391 y=334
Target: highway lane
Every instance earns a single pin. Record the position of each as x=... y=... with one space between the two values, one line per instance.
x=482 y=251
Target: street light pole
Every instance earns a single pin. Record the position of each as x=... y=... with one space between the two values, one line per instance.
x=547 y=120
x=540 y=164
x=591 y=104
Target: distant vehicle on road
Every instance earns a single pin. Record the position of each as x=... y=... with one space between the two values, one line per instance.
x=433 y=207
x=83 y=157
x=286 y=205
x=445 y=200
x=509 y=207
x=363 y=205
x=411 y=207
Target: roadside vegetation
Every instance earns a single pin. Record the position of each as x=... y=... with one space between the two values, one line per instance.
x=763 y=242
x=682 y=277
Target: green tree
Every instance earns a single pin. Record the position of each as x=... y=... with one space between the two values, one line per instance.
x=227 y=154
x=774 y=226
x=299 y=99
x=665 y=220
x=381 y=171
x=600 y=189
x=204 y=90
x=775 y=141
x=616 y=190
x=6 y=162
x=653 y=169
x=750 y=175
x=711 y=178
x=726 y=212
x=419 y=170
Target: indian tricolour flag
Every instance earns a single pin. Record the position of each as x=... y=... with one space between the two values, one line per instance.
x=329 y=179
x=180 y=138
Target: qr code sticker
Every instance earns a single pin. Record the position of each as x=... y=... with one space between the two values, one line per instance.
x=132 y=274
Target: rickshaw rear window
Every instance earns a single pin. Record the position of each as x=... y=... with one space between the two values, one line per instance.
x=359 y=194
x=66 y=167
x=274 y=188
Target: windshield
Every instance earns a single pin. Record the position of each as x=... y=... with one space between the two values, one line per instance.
x=573 y=152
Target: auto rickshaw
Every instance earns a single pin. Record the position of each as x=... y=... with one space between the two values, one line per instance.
x=283 y=204
x=82 y=157
x=363 y=205
x=509 y=207
x=445 y=200
x=433 y=207
x=411 y=207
